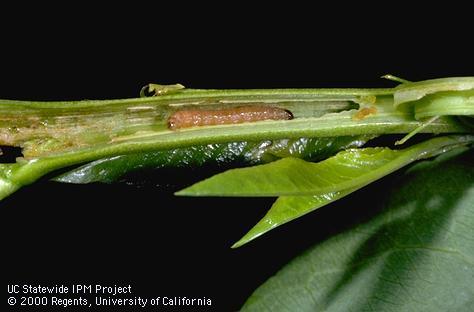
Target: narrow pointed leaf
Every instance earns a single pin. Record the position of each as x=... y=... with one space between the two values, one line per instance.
x=288 y=208
x=348 y=169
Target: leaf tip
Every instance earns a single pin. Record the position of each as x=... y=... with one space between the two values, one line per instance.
x=244 y=240
x=237 y=244
x=193 y=191
x=183 y=192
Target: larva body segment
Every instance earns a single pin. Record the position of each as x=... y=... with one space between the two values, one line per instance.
x=195 y=117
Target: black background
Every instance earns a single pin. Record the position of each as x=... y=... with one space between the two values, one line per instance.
x=164 y=245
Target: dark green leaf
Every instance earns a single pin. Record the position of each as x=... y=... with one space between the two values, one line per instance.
x=417 y=254
x=222 y=154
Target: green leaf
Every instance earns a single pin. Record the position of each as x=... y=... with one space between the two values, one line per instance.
x=417 y=254
x=287 y=208
x=237 y=154
x=352 y=168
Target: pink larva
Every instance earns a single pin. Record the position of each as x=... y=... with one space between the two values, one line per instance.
x=195 y=118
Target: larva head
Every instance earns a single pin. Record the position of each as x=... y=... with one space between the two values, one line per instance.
x=172 y=122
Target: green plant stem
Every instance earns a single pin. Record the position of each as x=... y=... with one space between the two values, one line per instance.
x=55 y=135
x=47 y=128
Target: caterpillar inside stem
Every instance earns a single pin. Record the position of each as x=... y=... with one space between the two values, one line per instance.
x=195 y=118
